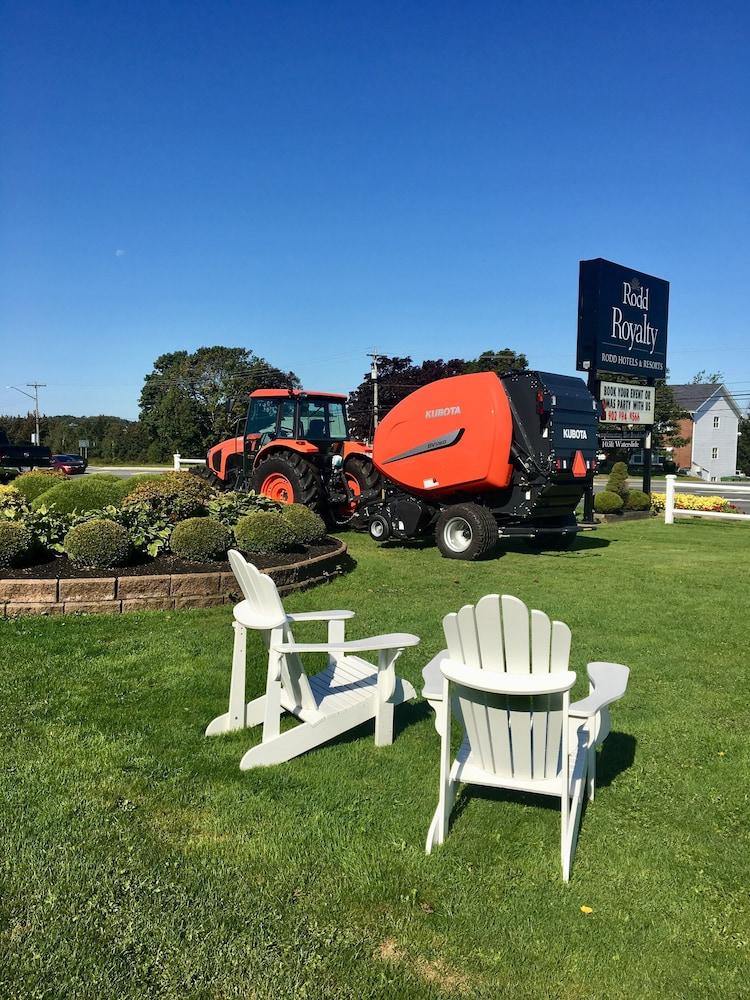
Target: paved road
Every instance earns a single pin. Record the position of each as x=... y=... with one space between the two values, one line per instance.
x=126 y=473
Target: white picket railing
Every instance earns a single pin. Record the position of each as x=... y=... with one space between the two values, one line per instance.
x=671 y=511
x=179 y=461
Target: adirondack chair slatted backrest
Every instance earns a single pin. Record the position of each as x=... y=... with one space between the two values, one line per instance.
x=515 y=735
x=267 y=610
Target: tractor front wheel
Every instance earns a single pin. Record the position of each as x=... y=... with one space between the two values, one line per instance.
x=361 y=477
x=289 y=479
x=465 y=531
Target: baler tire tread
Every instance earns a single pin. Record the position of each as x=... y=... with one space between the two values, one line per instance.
x=483 y=527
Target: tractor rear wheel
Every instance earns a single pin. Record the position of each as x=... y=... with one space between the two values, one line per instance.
x=289 y=478
x=465 y=531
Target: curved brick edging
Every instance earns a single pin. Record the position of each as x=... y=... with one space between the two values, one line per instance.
x=116 y=594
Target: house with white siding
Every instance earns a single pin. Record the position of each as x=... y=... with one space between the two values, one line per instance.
x=711 y=429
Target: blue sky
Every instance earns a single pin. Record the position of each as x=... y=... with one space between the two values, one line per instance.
x=315 y=180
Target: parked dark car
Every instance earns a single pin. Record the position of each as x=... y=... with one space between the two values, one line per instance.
x=71 y=465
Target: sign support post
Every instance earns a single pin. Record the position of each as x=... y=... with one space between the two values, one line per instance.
x=647 y=465
x=588 y=496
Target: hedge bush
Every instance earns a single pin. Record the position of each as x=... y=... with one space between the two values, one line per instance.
x=34 y=483
x=307 y=526
x=97 y=543
x=264 y=532
x=201 y=539
x=637 y=500
x=15 y=543
x=618 y=480
x=176 y=495
x=608 y=502
x=90 y=493
x=230 y=507
x=133 y=482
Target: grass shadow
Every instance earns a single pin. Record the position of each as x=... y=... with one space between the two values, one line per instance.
x=617 y=755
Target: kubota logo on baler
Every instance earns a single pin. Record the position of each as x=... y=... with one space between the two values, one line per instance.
x=443 y=411
x=575 y=433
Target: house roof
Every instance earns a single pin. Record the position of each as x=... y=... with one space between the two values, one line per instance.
x=691 y=397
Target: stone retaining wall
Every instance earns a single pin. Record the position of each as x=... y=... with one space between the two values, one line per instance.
x=116 y=594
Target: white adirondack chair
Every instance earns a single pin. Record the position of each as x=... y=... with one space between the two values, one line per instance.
x=505 y=675
x=347 y=693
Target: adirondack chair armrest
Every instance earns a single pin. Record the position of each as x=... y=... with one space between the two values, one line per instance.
x=320 y=616
x=433 y=678
x=394 y=640
x=497 y=682
x=608 y=683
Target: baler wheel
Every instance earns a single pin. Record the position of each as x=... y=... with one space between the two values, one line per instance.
x=465 y=531
x=289 y=478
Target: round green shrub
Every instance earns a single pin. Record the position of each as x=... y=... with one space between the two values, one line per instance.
x=201 y=539
x=307 y=526
x=86 y=493
x=637 y=500
x=607 y=502
x=264 y=531
x=177 y=495
x=618 y=480
x=15 y=543
x=99 y=542
x=133 y=482
x=31 y=484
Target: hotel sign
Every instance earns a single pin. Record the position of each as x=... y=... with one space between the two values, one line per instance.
x=622 y=320
x=627 y=404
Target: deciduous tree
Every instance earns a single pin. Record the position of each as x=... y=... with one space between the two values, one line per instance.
x=192 y=401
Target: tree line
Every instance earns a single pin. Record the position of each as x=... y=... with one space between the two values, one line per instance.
x=191 y=401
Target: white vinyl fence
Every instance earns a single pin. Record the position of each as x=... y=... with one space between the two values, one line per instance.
x=180 y=462
x=671 y=511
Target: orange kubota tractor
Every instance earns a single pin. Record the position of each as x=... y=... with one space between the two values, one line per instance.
x=296 y=449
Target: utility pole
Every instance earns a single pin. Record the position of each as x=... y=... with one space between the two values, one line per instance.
x=374 y=380
x=36 y=386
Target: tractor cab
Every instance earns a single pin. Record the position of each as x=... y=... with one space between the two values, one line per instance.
x=296 y=448
x=297 y=416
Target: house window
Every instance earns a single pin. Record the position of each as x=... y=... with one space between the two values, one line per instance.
x=714 y=453
x=717 y=421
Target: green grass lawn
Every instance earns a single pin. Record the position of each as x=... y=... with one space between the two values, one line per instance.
x=138 y=861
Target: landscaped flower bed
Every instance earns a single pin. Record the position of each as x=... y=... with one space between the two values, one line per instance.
x=168 y=531
x=689 y=501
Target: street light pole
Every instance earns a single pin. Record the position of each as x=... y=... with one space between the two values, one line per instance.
x=36 y=386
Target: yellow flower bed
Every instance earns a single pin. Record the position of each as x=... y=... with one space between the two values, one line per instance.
x=690 y=501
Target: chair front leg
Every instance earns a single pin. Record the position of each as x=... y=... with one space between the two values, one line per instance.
x=272 y=716
x=386 y=688
x=237 y=683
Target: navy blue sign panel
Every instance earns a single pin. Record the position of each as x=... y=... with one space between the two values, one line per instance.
x=622 y=320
